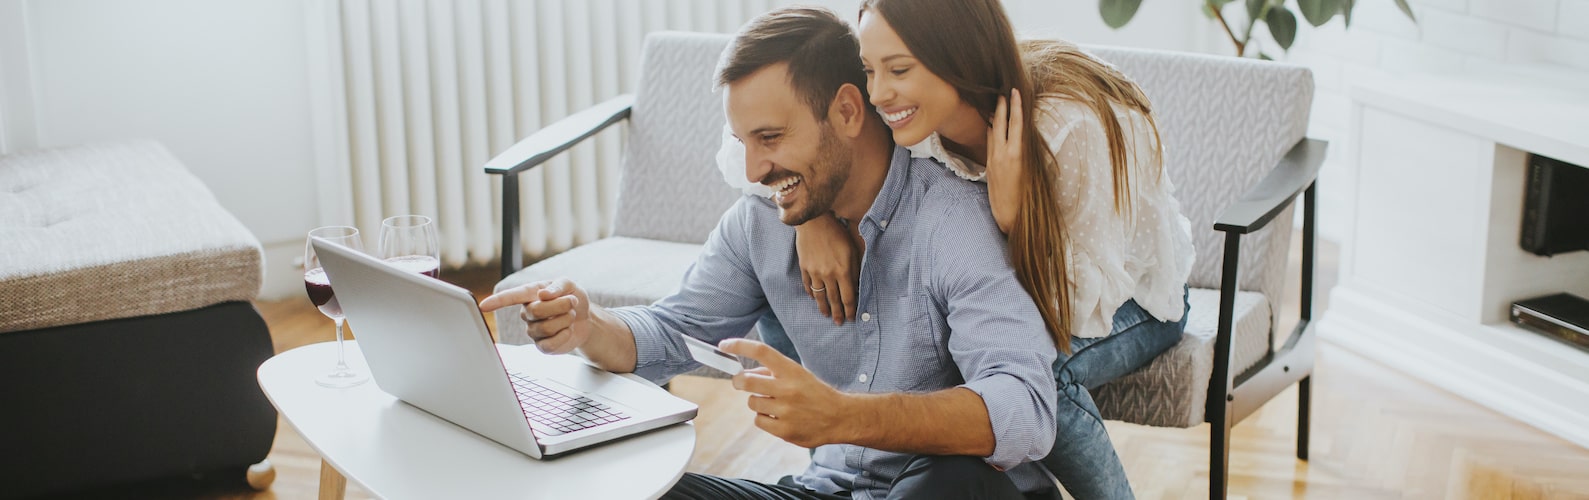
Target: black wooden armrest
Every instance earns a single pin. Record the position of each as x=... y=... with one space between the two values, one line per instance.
x=560 y=135
x=1231 y=396
x=1295 y=172
x=535 y=150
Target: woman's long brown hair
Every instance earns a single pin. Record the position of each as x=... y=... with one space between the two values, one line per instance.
x=1061 y=68
x=971 y=45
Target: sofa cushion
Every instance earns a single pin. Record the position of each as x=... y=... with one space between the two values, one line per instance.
x=1172 y=390
x=111 y=231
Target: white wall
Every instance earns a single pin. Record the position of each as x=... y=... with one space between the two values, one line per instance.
x=1159 y=24
x=222 y=84
x=226 y=86
x=16 y=108
x=1550 y=36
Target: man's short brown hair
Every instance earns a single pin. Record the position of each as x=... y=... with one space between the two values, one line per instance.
x=822 y=52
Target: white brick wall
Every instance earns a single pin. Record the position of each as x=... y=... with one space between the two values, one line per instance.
x=1573 y=22
x=1533 y=14
x=1450 y=36
x=1414 y=56
x=1465 y=33
x=1454 y=5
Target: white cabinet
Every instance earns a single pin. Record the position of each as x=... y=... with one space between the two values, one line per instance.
x=1432 y=262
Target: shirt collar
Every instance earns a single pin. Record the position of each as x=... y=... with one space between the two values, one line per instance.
x=932 y=147
x=893 y=188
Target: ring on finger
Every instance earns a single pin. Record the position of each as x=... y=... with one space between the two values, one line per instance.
x=819 y=289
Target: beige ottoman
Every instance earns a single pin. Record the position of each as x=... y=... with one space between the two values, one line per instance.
x=127 y=340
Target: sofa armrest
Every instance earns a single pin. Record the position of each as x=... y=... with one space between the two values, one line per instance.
x=535 y=150
x=1296 y=171
x=560 y=135
x=1233 y=396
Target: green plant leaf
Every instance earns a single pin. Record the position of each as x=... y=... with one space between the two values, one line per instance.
x=1254 y=8
x=1346 y=11
x=1208 y=12
x=1318 y=12
x=1265 y=57
x=1283 y=25
x=1218 y=3
x=1117 y=13
x=1406 y=9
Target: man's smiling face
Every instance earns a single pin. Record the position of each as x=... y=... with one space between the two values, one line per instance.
x=800 y=157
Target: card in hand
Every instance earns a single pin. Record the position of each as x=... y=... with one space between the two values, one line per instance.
x=709 y=355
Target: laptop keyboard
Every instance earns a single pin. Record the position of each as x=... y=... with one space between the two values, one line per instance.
x=560 y=413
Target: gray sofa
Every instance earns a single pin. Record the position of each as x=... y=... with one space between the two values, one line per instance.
x=128 y=344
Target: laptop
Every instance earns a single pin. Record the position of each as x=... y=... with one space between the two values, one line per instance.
x=427 y=344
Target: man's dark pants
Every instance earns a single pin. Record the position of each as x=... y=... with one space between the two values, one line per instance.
x=925 y=476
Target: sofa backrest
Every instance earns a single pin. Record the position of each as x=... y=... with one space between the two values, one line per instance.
x=671 y=188
x=1225 y=122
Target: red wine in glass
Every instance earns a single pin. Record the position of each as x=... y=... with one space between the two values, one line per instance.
x=422 y=264
x=410 y=242
x=319 y=288
x=318 y=284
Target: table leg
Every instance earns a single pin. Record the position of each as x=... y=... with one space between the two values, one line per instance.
x=332 y=484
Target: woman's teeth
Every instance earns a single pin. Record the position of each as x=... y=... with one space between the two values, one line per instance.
x=894 y=117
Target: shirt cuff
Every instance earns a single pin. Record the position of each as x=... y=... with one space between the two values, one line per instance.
x=657 y=355
x=1023 y=422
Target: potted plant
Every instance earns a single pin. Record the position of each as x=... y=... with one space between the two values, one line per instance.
x=1274 y=14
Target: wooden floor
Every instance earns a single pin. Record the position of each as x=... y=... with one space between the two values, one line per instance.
x=1377 y=433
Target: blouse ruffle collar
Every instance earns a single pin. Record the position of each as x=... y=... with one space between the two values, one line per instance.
x=932 y=147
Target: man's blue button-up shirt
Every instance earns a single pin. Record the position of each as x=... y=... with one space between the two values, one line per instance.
x=938 y=307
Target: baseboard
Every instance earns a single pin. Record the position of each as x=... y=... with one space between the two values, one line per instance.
x=283 y=271
x=1448 y=355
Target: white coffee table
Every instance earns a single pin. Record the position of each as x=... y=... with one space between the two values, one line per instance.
x=396 y=451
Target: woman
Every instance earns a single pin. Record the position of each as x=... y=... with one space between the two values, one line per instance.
x=1075 y=181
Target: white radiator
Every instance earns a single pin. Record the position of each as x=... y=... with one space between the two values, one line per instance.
x=416 y=95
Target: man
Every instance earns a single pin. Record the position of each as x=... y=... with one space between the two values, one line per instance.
x=942 y=384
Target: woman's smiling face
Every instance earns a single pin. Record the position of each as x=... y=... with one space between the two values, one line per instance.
x=913 y=101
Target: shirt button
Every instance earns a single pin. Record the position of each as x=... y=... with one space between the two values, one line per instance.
x=866 y=316
x=884 y=223
x=862 y=377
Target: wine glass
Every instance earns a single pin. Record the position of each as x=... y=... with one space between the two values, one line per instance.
x=409 y=242
x=319 y=287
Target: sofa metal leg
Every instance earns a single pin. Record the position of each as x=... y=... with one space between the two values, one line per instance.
x=1222 y=383
x=1219 y=455
x=1304 y=411
x=261 y=475
x=332 y=484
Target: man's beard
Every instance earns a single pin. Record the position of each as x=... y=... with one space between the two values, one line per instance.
x=829 y=171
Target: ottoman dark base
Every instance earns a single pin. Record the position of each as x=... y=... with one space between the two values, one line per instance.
x=84 y=406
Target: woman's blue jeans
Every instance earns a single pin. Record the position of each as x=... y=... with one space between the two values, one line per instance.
x=1083 y=458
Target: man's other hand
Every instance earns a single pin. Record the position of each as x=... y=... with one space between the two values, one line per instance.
x=790 y=402
x=557 y=312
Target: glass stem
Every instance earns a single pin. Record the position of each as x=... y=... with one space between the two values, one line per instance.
x=342 y=364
